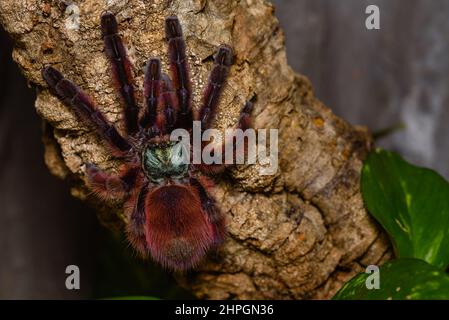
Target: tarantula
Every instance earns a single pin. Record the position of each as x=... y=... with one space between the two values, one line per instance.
x=171 y=214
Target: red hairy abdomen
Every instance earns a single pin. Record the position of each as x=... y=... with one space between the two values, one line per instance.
x=177 y=231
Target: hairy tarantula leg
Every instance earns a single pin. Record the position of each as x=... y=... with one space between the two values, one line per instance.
x=121 y=69
x=109 y=186
x=152 y=88
x=74 y=97
x=167 y=109
x=210 y=208
x=244 y=121
x=136 y=225
x=217 y=78
x=170 y=106
x=179 y=70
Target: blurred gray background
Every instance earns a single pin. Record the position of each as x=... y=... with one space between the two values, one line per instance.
x=378 y=78
x=398 y=74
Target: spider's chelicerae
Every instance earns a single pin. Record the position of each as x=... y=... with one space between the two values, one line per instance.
x=171 y=215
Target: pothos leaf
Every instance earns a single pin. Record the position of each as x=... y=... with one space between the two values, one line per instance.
x=411 y=203
x=402 y=279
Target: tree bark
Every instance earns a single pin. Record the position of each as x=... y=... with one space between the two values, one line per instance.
x=270 y=252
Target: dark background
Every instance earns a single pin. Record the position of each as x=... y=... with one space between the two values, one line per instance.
x=396 y=75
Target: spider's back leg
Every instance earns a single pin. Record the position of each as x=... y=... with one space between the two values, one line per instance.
x=74 y=97
x=111 y=186
x=179 y=70
x=121 y=69
x=135 y=228
x=210 y=208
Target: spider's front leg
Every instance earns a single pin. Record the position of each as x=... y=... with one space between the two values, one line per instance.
x=179 y=70
x=152 y=87
x=243 y=123
x=161 y=103
x=74 y=97
x=211 y=97
x=169 y=105
x=231 y=146
x=121 y=69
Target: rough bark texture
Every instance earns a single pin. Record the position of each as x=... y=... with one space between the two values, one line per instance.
x=270 y=253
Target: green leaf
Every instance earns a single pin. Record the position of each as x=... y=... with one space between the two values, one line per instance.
x=402 y=279
x=411 y=203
